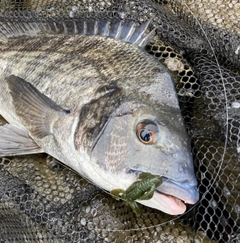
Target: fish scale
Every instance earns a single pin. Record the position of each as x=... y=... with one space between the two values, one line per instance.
x=82 y=98
x=45 y=71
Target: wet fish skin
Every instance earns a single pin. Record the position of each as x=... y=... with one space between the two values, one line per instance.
x=108 y=86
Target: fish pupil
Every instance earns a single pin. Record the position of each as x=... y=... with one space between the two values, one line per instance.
x=145 y=135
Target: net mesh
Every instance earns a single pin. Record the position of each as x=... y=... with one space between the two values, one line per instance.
x=199 y=42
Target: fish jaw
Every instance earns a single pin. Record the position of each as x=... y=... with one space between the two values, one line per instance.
x=183 y=190
x=170 y=197
x=165 y=203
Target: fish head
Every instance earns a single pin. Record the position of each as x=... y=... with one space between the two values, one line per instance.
x=138 y=138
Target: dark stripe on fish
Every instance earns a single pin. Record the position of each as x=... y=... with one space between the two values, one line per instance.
x=94 y=115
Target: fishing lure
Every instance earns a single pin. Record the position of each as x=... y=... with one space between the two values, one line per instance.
x=142 y=189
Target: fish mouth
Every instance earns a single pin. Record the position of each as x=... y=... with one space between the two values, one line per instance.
x=171 y=197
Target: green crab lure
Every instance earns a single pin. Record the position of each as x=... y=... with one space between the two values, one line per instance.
x=142 y=189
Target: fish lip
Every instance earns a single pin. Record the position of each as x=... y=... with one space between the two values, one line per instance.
x=182 y=190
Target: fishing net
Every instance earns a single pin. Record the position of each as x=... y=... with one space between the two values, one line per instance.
x=199 y=42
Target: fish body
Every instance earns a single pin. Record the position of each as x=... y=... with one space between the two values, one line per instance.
x=91 y=97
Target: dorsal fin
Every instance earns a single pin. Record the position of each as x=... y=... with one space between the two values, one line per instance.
x=17 y=29
x=127 y=31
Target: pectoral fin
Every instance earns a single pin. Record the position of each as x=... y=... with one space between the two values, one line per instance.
x=36 y=111
x=16 y=141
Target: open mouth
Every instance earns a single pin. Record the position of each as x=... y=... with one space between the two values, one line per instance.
x=171 y=197
x=171 y=203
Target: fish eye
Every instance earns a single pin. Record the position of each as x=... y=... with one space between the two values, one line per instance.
x=147 y=132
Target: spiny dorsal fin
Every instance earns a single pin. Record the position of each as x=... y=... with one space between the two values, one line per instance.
x=127 y=31
x=17 y=29
x=36 y=111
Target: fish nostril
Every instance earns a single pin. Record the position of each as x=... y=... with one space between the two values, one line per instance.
x=180 y=169
x=175 y=156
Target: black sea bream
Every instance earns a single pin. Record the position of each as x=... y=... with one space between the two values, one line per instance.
x=87 y=94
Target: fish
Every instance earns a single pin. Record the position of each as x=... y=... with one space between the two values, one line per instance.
x=88 y=94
